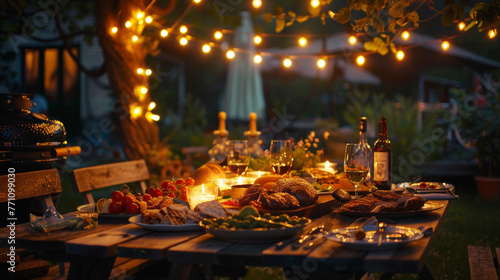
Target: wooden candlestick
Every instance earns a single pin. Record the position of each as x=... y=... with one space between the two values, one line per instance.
x=222 y=123
x=253 y=123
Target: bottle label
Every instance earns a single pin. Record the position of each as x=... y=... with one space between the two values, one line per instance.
x=381 y=166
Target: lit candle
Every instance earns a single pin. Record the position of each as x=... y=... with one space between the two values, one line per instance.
x=326 y=166
x=197 y=194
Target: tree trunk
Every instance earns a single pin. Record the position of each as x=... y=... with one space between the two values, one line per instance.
x=138 y=134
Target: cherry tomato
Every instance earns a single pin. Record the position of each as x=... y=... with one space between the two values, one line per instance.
x=184 y=196
x=155 y=192
x=147 y=197
x=129 y=198
x=165 y=184
x=115 y=207
x=180 y=182
x=117 y=196
x=133 y=208
x=171 y=194
x=423 y=185
x=189 y=181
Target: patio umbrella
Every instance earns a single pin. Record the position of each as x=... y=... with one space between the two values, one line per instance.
x=244 y=93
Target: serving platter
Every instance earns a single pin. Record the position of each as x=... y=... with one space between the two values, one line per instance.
x=162 y=227
x=428 y=206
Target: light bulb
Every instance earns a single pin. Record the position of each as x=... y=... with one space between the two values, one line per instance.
x=135 y=38
x=114 y=30
x=218 y=35
x=257 y=59
x=257 y=39
x=287 y=62
x=405 y=35
x=148 y=72
x=136 y=112
x=183 y=41
x=352 y=40
x=128 y=24
x=445 y=45
x=206 y=48
x=400 y=55
x=230 y=54
x=256 y=3
x=183 y=29
x=315 y=3
x=140 y=15
x=155 y=118
x=197 y=1
x=302 y=41
x=461 y=26
x=321 y=63
x=140 y=71
x=360 y=60
x=492 y=33
x=151 y=106
x=149 y=19
x=164 y=33
x=144 y=90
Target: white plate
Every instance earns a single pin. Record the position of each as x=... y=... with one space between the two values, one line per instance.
x=90 y=208
x=443 y=187
x=370 y=242
x=428 y=206
x=86 y=208
x=160 y=227
x=258 y=235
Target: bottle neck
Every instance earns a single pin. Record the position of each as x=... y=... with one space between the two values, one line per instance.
x=363 y=139
x=382 y=130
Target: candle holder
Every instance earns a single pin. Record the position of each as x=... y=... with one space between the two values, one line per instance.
x=201 y=193
x=254 y=144
x=327 y=166
x=217 y=153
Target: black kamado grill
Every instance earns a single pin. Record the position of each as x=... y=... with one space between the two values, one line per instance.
x=30 y=141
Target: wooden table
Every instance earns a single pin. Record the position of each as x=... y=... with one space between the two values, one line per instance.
x=92 y=252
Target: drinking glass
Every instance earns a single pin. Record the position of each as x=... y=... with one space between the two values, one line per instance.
x=356 y=164
x=281 y=156
x=238 y=156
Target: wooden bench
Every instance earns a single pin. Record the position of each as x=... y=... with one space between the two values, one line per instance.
x=482 y=264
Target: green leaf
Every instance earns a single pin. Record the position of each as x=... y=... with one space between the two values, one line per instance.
x=302 y=18
x=448 y=16
x=413 y=17
x=471 y=24
x=343 y=16
x=393 y=48
x=323 y=17
x=280 y=24
x=267 y=17
x=396 y=11
x=479 y=7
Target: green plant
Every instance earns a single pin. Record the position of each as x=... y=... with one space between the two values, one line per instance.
x=478 y=124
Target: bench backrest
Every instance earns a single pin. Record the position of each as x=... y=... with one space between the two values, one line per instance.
x=85 y=180
x=41 y=184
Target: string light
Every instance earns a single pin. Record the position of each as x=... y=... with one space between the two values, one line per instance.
x=114 y=30
x=405 y=35
x=321 y=63
x=257 y=58
x=400 y=55
x=183 y=41
x=141 y=22
x=287 y=62
x=151 y=106
x=140 y=71
x=164 y=33
x=149 y=19
x=197 y=1
x=183 y=29
x=445 y=45
x=360 y=60
x=257 y=39
x=140 y=15
x=302 y=41
x=352 y=40
x=230 y=54
x=492 y=33
x=461 y=26
x=155 y=117
x=206 y=48
x=256 y=3
x=135 y=38
x=148 y=72
x=136 y=112
x=315 y=3
x=144 y=90
x=128 y=24
x=218 y=35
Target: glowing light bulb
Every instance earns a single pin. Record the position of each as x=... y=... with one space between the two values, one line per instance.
x=140 y=71
x=197 y=1
x=230 y=54
x=257 y=39
x=405 y=35
x=183 y=29
x=140 y=15
x=445 y=45
x=315 y=3
x=218 y=35
x=136 y=112
x=148 y=72
x=151 y=106
x=492 y=33
x=155 y=118
x=360 y=60
x=352 y=40
x=206 y=48
x=256 y=3
x=400 y=55
x=164 y=33
x=114 y=30
x=183 y=41
x=321 y=63
x=257 y=59
x=149 y=19
x=461 y=26
x=128 y=24
x=144 y=90
x=287 y=62
x=135 y=38
x=302 y=41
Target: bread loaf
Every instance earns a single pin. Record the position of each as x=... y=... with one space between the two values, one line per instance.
x=207 y=172
x=267 y=179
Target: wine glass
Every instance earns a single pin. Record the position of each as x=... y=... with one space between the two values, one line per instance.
x=238 y=156
x=356 y=164
x=281 y=156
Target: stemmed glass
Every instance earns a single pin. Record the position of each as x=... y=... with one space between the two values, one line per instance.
x=238 y=156
x=356 y=164
x=281 y=156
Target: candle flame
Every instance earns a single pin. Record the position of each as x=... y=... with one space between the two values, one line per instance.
x=327 y=164
x=258 y=175
x=240 y=180
x=203 y=189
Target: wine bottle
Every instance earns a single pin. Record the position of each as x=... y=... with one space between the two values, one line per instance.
x=382 y=157
x=363 y=144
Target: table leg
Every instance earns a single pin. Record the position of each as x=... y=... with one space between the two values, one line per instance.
x=426 y=273
x=94 y=268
